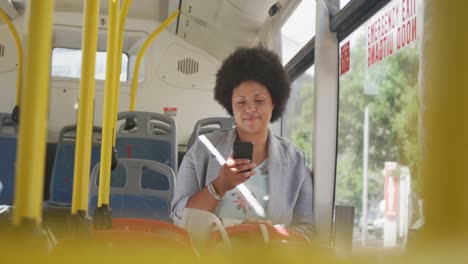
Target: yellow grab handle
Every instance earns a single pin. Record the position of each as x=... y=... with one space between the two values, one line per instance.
x=33 y=123
x=84 y=130
x=142 y=51
x=19 y=49
x=122 y=17
x=109 y=101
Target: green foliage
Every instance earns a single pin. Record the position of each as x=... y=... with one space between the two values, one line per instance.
x=393 y=120
x=299 y=114
x=349 y=183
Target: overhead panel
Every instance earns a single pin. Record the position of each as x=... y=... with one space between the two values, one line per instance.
x=205 y=10
x=208 y=38
x=140 y=9
x=219 y=27
x=236 y=23
x=255 y=9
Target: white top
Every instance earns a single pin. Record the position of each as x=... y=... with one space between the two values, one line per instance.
x=236 y=206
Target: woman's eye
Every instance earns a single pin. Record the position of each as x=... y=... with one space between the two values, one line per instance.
x=240 y=103
x=259 y=101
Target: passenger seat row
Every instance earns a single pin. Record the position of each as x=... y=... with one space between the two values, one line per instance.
x=142 y=184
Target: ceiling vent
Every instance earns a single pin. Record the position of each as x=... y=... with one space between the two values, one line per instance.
x=187 y=66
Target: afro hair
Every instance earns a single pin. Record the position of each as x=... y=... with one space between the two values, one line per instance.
x=253 y=64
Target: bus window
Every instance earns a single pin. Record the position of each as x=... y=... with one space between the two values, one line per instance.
x=377 y=152
x=297 y=120
x=343 y=3
x=67 y=63
x=298 y=29
x=298 y=117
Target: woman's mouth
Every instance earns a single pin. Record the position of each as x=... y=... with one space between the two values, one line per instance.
x=250 y=119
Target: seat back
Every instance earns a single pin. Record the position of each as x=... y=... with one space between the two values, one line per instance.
x=138 y=189
x=209 y=125
x=8 y=127
x=61 y=183
x=154 y=138
x=8 y=136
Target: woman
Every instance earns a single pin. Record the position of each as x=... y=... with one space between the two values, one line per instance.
x=254 y=88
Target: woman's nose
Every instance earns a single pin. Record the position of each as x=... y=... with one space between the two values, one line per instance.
x=250 y=107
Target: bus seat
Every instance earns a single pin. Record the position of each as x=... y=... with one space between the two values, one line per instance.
x=209 y=125
x=61 y=184
x=153 y=137
x=139 y=189
x=8 y=135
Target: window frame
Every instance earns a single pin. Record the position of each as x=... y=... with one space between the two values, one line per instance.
x=63 y=78
x=343 y=22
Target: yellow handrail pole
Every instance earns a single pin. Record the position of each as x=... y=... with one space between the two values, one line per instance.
x=33 y=123
x=122 y=17
x=109 y=97
x=85 y=108
x=19 y=50
x=142 y=51
x=443 y=122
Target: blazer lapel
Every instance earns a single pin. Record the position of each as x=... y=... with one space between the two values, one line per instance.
x=277 y=173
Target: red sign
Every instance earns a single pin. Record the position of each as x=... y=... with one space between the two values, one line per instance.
x=391 y=30
x=391 y=189
x=345 y=57
x=170 y=111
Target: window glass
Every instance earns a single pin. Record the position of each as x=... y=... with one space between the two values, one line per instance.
x=67 y=63
x=377 y=155
x=298 y=29
x=343 y=3
x=298 y=117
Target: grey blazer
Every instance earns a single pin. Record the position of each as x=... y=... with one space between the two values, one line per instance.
x=290 y=179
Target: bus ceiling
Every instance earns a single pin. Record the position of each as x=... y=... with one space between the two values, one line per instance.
x=217 y=27
x=220 y=26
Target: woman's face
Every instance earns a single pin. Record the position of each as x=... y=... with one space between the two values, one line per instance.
x=252 y=107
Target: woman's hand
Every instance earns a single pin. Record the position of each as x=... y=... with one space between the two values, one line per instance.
x=233 y=173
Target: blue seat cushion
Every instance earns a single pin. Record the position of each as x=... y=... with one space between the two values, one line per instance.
x=62 y=175
x=154 y=180
x=149 y=149
x=7 y=169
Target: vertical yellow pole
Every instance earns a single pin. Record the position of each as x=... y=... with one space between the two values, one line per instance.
x=141 y=53
x=444 y=120
x=85 y=108
x=33 y=123
x=109 y=101
x=19 y=50
x=122 y=17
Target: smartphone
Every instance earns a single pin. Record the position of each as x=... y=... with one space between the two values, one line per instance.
x=243 y=150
